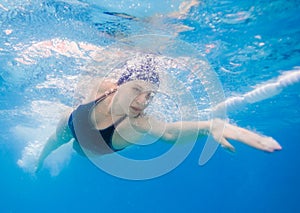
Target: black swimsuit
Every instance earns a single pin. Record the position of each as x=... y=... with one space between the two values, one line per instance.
x=86 y=135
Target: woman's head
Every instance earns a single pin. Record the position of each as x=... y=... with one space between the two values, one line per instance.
x=145 y=71
x=137 y=85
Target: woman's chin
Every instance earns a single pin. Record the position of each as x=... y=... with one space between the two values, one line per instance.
x=133 y=112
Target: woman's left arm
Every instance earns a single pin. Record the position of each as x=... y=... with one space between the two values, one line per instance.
x=220 y=130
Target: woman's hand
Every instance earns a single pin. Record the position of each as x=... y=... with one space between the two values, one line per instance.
x=222 y=131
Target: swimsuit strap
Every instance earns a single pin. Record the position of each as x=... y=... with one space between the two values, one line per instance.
x=106 y=93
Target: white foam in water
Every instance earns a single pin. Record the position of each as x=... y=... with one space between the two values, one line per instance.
x=47 y=114
x=59 y=159
x=30 y=154
x=262 y=92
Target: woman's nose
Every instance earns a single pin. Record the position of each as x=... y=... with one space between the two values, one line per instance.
x=142 y=99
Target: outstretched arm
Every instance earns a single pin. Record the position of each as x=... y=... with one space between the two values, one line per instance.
x=221 y=131
x=60 y=137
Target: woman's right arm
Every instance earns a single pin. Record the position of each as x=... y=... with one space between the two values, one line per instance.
x=61 y=136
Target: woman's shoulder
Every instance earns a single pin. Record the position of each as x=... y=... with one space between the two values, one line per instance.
x=105 y=85
x=98 y=86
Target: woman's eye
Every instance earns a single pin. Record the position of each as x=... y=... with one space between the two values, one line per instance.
x=148 y=96
x=138 y=90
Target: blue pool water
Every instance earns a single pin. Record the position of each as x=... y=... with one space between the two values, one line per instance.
x=48 y=48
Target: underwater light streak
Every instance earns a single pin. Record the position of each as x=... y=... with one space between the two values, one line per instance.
x=262 y=91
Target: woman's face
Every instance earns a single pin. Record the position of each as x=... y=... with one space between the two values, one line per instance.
x=134 y=96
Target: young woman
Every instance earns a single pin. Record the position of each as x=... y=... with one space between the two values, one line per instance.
x=116 y=120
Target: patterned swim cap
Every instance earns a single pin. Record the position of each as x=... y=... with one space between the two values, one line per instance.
x=145 y=71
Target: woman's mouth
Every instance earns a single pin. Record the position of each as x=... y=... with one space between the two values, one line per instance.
x=136 y=109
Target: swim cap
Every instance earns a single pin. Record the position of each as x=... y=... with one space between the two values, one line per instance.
x=145 y=71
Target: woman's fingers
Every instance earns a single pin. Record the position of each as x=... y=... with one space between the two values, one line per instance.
x=252 y=139
x=222 y=131
x=268 y=144
x=226 y=145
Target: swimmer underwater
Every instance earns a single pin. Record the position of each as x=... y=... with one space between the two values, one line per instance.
x=116 y=120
